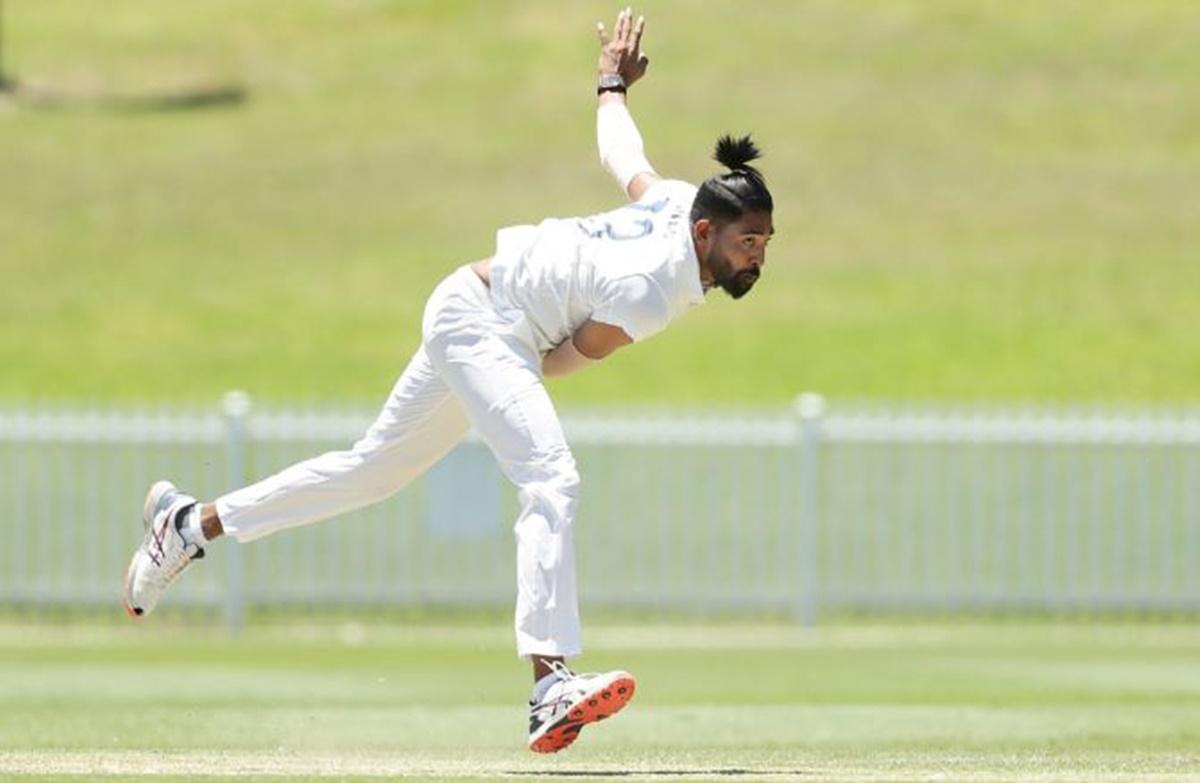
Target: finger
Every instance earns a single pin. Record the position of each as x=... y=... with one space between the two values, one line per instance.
x=626 y=19
x=618 y=25
x=638 y=29
x=602 y=34
x=643 y=62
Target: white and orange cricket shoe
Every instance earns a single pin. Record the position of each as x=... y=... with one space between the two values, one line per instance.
x=163 y=554
x=574 y=701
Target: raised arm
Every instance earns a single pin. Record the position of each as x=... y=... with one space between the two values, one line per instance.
x=622 y=62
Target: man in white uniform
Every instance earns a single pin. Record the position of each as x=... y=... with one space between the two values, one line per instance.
x=555 y=297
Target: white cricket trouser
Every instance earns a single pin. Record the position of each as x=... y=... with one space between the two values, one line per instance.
x=477 y=367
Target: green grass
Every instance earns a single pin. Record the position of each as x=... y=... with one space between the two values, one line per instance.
x=975 y=200
x=852 y=701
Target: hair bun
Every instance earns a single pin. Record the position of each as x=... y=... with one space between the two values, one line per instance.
x=736 y=154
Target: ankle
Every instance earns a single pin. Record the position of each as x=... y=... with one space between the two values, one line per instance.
x=199 y=524
x=544 y=665
x=210 y=523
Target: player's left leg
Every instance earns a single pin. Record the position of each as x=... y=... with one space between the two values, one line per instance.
x=497 y=376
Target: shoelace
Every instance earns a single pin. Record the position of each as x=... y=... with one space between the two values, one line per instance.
x=177 y=564
x=169 y=569
x=559 y=670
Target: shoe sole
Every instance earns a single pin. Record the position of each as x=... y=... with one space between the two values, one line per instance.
x=155 y=497
x=604 y=702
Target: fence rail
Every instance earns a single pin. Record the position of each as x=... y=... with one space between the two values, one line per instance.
x=802 y=510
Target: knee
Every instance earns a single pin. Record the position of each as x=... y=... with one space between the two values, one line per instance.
x=373 y=476
x=567 y=487
x=557 y=488
x=562 y=484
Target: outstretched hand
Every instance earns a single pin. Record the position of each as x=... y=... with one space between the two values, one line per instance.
x=622 y=54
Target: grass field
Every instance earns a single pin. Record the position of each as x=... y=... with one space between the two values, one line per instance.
x=987 y=702
x=976 y=200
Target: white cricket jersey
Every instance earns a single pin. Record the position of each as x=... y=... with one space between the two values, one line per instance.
x=634 y=267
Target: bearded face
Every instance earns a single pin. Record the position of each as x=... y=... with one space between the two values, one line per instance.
x=738 y=251
x=735 y=282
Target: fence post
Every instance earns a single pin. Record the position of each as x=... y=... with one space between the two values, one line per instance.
x=809 y=409
x=236 y=407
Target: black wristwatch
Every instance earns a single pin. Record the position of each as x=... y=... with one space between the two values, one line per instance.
x=610 y=82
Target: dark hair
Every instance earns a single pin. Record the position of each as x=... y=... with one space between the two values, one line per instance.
x=725 y=197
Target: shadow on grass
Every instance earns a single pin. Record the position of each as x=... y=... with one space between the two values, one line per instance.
x=214 y=96
x=666 y=773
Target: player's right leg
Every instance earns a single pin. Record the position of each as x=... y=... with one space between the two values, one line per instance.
x=420 y=422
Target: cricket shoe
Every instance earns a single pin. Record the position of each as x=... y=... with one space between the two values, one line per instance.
x=572 y=702
x=163 y=554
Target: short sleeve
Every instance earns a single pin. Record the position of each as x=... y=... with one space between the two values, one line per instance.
x=674 y=189
x=635 y=304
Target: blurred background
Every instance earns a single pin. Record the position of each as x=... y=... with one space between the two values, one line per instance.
x=940 y=471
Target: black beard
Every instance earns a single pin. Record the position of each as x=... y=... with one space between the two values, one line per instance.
x=736 y=284
x=739 y=284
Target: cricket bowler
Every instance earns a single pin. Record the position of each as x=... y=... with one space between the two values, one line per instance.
x=554 y=298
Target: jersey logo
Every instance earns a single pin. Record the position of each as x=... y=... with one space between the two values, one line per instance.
x=623 y=224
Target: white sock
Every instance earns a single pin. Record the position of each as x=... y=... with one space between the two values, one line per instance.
x=541 y=686
x=189 y=527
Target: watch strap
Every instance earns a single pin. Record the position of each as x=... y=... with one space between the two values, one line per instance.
x=610 y=82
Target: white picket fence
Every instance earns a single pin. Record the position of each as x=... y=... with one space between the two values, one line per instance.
x=812 y=509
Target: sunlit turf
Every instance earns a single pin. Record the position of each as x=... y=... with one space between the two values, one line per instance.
x=990 y=701
x=974 y=200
